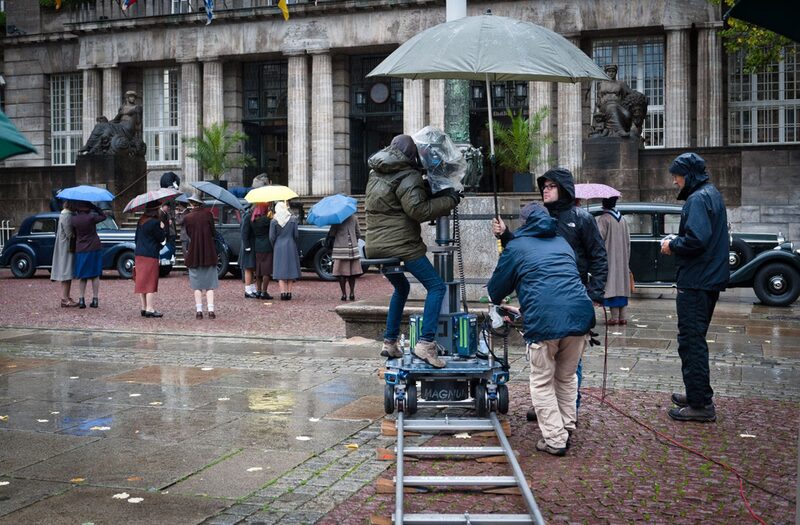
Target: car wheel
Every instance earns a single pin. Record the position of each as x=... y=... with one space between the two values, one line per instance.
x=125 y=263
x=323 y=264
x=22 y=265
x=223 y=262
x=777 y=284
x=164 y=271
x=740 y=254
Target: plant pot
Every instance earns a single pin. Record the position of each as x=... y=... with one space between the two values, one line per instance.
x=523 y=182
x=221 y=183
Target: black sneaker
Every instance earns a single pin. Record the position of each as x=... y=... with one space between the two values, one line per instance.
x=708 y=414
x=530 y=415
x=542 y=446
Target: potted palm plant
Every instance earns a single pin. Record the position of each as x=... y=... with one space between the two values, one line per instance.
x=215 y=150
x=519 y=146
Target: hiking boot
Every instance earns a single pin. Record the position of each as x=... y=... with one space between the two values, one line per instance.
x=427 y=351
x=681 y=401
x=530 y=415
x=708 y=414
x=542 y=446
x=390 y=349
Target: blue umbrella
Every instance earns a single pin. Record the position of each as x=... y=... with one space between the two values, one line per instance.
x=85 y=193
x=218 y=192
x=332 y=210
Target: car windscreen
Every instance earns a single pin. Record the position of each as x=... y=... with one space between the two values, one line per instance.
x=108 y=224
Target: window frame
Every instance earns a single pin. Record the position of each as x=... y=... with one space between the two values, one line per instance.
x=66 y=118
x=161 y=100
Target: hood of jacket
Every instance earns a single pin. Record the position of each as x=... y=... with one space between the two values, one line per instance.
x=390 y=161
x=538 y=222
x=566 y=191
x=693 y=168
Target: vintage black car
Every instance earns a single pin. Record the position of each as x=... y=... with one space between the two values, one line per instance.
x=763 y=261
x=313 y=253
x=32 y=247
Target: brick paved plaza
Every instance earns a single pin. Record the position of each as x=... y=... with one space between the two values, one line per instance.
x=270 y=416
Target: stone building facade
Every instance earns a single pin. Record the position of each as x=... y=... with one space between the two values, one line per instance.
x=297 y=88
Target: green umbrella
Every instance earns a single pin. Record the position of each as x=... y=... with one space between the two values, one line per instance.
x=489 y=48
x=12 y=142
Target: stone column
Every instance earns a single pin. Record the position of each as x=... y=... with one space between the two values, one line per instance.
x=540 y=96
x=191 y=114
x=213 y=104
x=297 y=109
x=677 y=130
x=436 y=103
x=322 y=160
x=709 y=86
x=570 y=151
x=413 y=106
x=92 y=100
x=112 y=91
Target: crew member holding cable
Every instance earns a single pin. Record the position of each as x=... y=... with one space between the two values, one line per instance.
x=396 y=202
x=557 y=315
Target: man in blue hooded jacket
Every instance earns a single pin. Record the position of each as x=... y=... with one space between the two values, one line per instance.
x=701 y=252
x=557 y=314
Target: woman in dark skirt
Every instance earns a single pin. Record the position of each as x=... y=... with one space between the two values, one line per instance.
x=88 y=250
x=345 y=254
x=150 y=233
x=261 y=219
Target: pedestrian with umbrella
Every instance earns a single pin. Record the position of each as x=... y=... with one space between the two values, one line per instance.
x=201 y=256
x=150 y=233
x=261 y=224
x=283 y=234
x=617 y=237
x=340 y=212
x=62 y=269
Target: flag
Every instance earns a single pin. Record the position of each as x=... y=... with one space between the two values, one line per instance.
x=126 y=4
x=58 y=4
x=284 y=9
x=209 y=10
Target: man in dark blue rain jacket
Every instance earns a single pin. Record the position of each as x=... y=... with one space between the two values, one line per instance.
x=557 y=314
x=701 y=252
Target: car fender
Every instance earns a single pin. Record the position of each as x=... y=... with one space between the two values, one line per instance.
x=110 y=255
x=10 y=249
x=307 y=257
x=744 y=276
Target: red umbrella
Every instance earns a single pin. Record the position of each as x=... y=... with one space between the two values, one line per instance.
x=161 y=195
x=595 y=191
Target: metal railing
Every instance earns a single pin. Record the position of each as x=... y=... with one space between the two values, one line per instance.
x=6 y=231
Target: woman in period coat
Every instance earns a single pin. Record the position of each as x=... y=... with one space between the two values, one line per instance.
x=283 y=234
x=151 y=231
x=88 y=251
x=247 y=255
x=261 y=225
x=345 y=254
x=63 y=255
x=201 y=257
x=614 y=231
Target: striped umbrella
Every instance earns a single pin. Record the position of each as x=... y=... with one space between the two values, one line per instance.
x=160 y=196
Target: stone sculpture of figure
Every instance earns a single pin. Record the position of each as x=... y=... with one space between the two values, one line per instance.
x=616 y=105
x=123 y=135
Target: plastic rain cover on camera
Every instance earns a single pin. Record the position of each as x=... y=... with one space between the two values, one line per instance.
x=441 y=158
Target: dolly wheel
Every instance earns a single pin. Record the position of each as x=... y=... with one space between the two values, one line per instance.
x=388 y=399
x=481 y=402
x=411 y=399
x=502 y=399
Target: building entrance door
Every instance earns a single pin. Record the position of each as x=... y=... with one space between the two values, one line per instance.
x=268 y=145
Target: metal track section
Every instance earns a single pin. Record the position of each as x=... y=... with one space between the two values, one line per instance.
x=453 y=425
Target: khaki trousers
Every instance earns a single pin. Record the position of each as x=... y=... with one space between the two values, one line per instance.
x=554 y=386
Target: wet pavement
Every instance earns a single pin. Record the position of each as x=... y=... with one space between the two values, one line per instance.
x=125 y=426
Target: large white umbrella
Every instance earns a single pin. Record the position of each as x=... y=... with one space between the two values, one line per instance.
x=489 y=48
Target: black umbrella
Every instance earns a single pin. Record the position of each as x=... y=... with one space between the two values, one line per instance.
x=219 y=193
x=779 y=16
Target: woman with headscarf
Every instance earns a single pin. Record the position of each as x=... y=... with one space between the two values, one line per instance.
x=346 y=258
x=63 y=255
x=88 y=251
x=150 y=233
x=261 y=220
x=397 y=201
x=283 y=234
x=616 y=235
x=201 y=257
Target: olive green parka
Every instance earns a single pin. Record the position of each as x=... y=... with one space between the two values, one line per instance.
x=396 y=203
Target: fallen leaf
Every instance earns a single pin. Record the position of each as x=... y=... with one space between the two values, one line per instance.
x=3 y=418
x=256 y=353
x=155 y=403
x=73 y=377
x=77 y=480
x=625 y=368
x=616 y=333
x=100 y=428
x=303 y=438
x=641 y=326
x=121 y=495
x=462 y=435
x=352 y=446
x=747 y=435
x=55 y=413
x=11 y=366
x=207 y=368
x=313 y=419
x=135 y=478
x=223 y=399
x=134 y=395
x=42 y=420
x=709 y=340
x=255 y=469
x=4 y=483
x=135 y=500
x=767 y=341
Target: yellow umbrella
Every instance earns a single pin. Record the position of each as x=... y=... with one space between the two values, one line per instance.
x=271 y=193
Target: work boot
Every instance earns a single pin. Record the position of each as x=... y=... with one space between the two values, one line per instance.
x=681 y=401
x=542 y=446
x=390 y=349
x=530 y=415
x=426 y=350
x=707 y=414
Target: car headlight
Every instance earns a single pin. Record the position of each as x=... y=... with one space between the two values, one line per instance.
x=781 y=238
